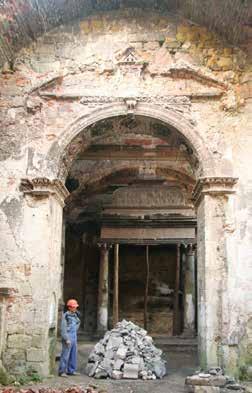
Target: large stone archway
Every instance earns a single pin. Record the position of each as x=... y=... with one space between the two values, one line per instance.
x=213 y=199
x=166 y=113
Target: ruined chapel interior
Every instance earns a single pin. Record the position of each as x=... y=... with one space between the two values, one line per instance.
x=126 y=183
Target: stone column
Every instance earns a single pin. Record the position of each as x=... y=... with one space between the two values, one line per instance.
x=116 y=285
x=34 y=309
x=176 y=314
x=211 y=197
x=103 y=296
x=189 y=293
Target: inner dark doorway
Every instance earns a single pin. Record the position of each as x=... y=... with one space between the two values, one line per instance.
x=162 y=283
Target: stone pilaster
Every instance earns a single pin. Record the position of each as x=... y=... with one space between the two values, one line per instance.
x=34 y=308
x=211 y=197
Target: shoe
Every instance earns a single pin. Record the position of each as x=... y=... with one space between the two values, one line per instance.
x=74 y=373
x=64 y=375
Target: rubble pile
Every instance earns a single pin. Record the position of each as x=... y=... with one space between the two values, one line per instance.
x=212 y=381
x=126 y=352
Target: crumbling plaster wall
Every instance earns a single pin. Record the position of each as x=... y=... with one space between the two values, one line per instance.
x=42 y=98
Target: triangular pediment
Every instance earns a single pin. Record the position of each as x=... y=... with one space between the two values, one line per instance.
x=177 y=79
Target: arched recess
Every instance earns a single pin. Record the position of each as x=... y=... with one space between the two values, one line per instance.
x=167 y=115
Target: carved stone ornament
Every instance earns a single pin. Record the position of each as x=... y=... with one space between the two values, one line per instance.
x=213 y=186
x=168 y=100
x=129 y=64
x=131 y=104
x=41 y=186
x=128 y=57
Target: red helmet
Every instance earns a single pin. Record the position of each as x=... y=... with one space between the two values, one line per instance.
x=72 y=303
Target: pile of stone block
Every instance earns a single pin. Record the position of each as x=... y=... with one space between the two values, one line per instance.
x=212 y=381
x=126 y=352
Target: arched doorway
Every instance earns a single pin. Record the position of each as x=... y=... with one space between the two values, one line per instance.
x=210 y=188
x=131 y=226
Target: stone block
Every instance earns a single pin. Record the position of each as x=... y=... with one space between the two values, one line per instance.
x=90 y=368
x=118 y=364
x=218 y=380
x=11 y=356
x=121 y=352
x=197 y=380
x=19 y=341
x=130 y=371
x=136 y=360
x=99 y=349
x=37 y=341
x=116 y=374
x=114 y=342
x=159 y=368
x=101 y=373
x=35 y=355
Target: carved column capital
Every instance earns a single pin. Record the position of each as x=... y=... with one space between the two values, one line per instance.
x=104 y=246
x=213 y=186
x=42 y=186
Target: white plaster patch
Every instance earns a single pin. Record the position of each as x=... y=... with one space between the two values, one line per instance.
x=189 y=309
x=103 y=317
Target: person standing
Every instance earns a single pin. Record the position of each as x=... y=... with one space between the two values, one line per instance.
x=69 y=326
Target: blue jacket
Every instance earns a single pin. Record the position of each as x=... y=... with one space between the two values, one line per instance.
x=70 y=324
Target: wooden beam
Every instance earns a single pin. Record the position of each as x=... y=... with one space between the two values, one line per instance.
x=116 y=285
x=176 y=295
x=146 y=289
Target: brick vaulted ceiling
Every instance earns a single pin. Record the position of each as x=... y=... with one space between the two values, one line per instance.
x=22 y=21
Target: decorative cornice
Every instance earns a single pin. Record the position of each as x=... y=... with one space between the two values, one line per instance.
x=164 y=99
x=42 y=186
x=213 y=186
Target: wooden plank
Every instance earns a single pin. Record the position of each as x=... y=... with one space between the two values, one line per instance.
x=116 y=285
x=176 y=295
x=120 y=233
x=146 y=289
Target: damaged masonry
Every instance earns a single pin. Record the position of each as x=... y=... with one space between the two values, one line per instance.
x=125 y=165
x=126 y=352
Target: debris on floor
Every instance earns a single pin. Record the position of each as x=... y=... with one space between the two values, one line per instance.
x=212 y=381
x=91 y=388
x=126 y=352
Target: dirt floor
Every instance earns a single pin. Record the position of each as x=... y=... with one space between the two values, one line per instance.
x=181 y=362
